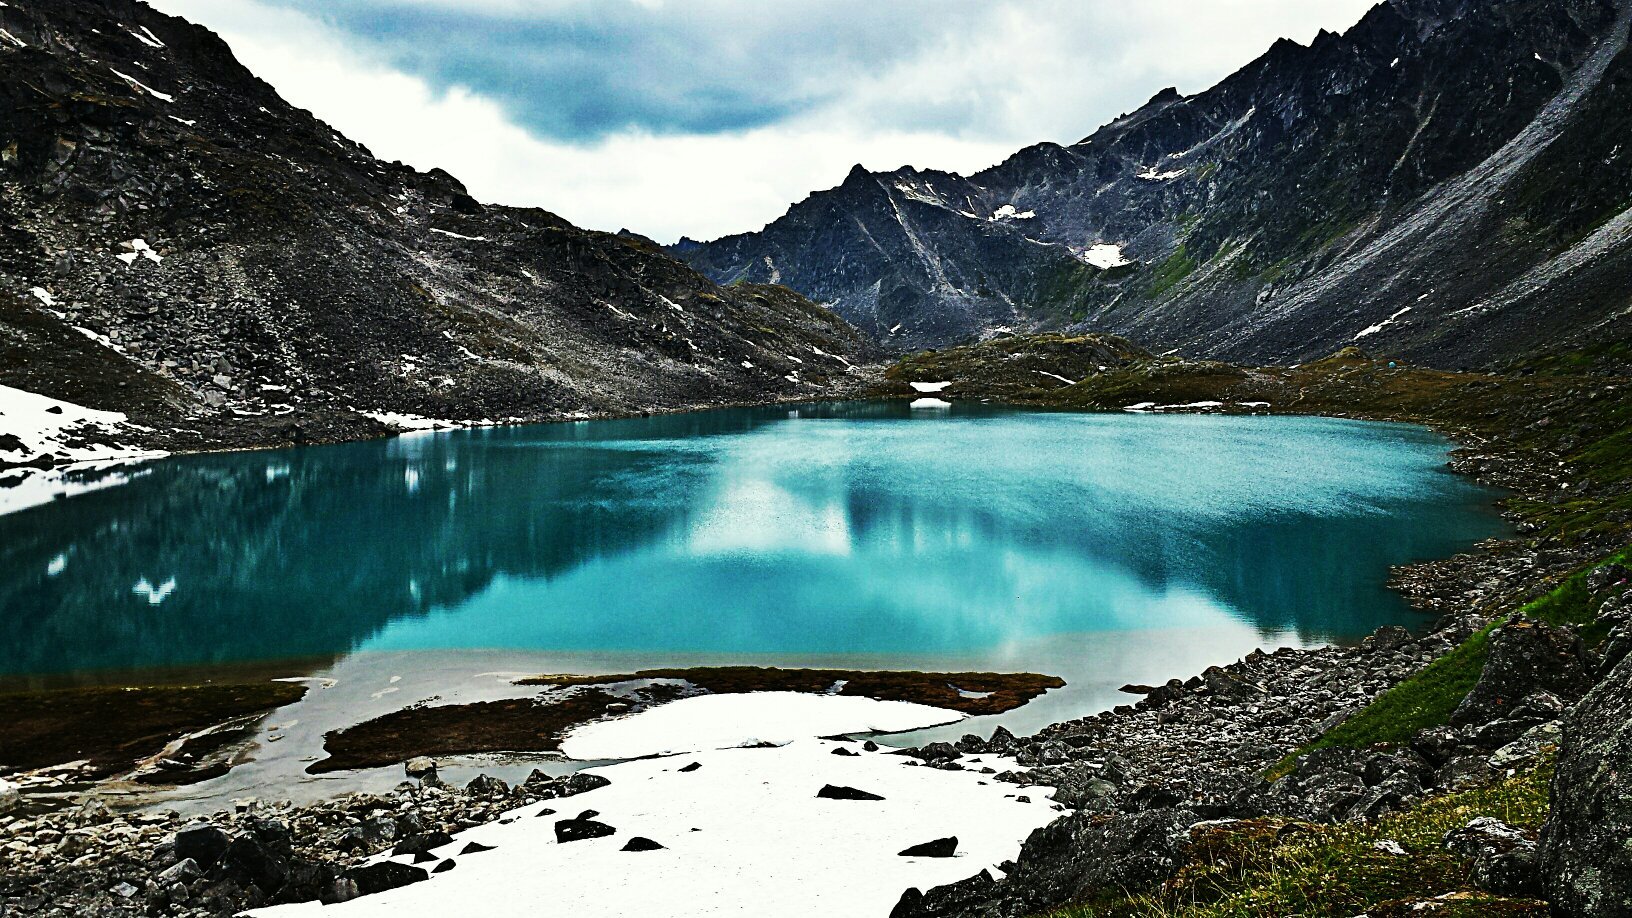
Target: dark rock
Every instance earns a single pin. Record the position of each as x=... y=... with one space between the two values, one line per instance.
x=571 y=830
x=940 y=847
x=203 y=844
x=424 y=841
x=583 y=782
x=692 y=767
x=445 y=866
x=639 y=843
x=1504 y=859
x=423 y=857
x=372 y=878
x=475 y=848
x=1525 y=656
x=1388 y=637
x=840 y=750
x=1585 y=857
x=835 y=792
x=486 y=786
x=960 y=898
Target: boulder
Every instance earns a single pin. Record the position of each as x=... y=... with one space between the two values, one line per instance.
x=204 y=844
x=639 y=843
x=940 y=847
x=1504 y=860
x=370 y=879
x=836 y=792
x=423 y=842
x=1525 y=657
x=1074 y=859
x=487 y=786
x=445 y=866
x=582 y=783
x=10 y=796
x=420 y=766
x=1586 y=859
x=571 y=830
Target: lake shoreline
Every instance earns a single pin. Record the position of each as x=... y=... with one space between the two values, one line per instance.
x=1224 y=712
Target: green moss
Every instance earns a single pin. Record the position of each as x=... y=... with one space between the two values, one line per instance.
x=1171 y=272
x=1271 y=868
x=1426 y=699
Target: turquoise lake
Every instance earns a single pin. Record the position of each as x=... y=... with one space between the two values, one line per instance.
x=843 y=531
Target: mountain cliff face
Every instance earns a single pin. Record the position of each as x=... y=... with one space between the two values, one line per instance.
x=178 y=242
x=1449 y=180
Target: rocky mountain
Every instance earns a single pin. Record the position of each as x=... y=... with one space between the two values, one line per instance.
x=178 y=242
x=1448 y=180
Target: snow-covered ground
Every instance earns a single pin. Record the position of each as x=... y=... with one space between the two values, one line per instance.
x=725 y=721
x=85 y=444
x=743 y=833
x=1105 y=255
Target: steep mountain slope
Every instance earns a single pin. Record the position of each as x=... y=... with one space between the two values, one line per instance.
x=178 y=242
x=1449 y=180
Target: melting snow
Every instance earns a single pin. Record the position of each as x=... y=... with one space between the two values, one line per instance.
x=1374 y=329
x=161 y=96
x=1105 y=255
x=404 y=421
x=930 y=386
x=1069 y=382
x=44 y=296
x=729 y=721
x=138 y=249
x=454 y=235
x=148 y=39
x=742 y=830
x=13 y=39
x=1151 y=175
x=1008 y=212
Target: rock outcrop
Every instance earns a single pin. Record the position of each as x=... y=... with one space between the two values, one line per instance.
x=1586 y=845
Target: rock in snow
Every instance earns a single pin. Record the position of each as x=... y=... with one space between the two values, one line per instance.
x=762 y=836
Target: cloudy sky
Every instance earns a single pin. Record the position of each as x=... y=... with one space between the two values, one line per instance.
x=708 y=117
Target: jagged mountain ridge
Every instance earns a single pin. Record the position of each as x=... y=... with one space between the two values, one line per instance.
x=1446 y=180
x=178 y=241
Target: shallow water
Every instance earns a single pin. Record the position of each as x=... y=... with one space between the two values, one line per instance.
x=1102 y=548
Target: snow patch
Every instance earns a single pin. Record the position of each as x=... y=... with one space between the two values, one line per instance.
x=1370 y=330
x=45 y=427
x=742 y=830
x=408 y=422
x=1008 y=212
x=161 y=96
x=454 y=235
x=13 y=39
x=148 y=39
x=930 y=386
x=43 y=295
x=1104 y=255
x=708 y=722
x=138 y=248
x=1151 y=175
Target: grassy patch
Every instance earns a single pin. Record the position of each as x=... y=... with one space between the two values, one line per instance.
x=511 y=725
x=1169 y=273
x=998 y=692
x=1270 y=868
x=115 y=727
x=1426 y=699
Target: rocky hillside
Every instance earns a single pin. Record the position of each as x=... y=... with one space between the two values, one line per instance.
x=1448 y=180
x=178 y=242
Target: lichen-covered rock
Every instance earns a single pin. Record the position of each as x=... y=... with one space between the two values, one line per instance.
x=1525 y=657
x=1586 y=845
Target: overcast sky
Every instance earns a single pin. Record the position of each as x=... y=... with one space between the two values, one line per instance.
x=708 y=117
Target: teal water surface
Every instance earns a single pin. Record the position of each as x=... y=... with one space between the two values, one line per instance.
x=855 y=528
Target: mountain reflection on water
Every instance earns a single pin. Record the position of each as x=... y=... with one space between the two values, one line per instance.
x=826 y=529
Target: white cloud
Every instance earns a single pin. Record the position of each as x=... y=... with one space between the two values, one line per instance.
x=984 y=86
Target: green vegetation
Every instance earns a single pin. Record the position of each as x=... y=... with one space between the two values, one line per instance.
x=1426 y=699
x=1271 y=868
x=1171 y=272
